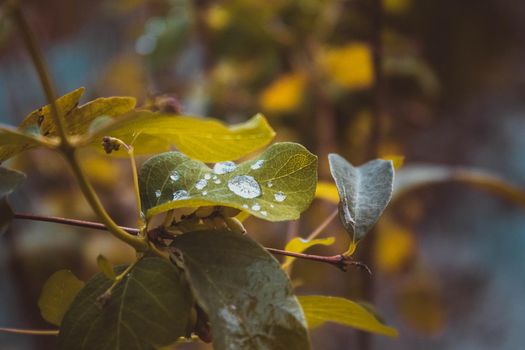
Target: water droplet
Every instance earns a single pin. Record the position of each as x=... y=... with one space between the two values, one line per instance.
x=270 y=184
x=304 y=240
x=264 y=213
x=217 y=181
x=257 y=165
x=174 y=176
x=207 y=176
x=279 y=196
x=244 y=186
x=271 y=205
x=224 y=167
x=157 y=193
x=180 y=194
x=245 y=206
x=256 y=207
x=204 y=193
x=215 y=177
x=201 y=184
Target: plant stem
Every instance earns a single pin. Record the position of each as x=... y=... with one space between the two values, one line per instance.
x=140 y=244
x=38 y=62
x=30 y=331
x=323 y=225
x=131 y=155
x=339 y=261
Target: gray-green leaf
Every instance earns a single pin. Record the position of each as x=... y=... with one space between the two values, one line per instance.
x=277 y=185
x=364 y=192
x=148 y=309
x=246 y=295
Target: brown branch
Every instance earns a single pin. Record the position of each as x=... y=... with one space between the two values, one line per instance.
x=340 y=261
x=71 y=222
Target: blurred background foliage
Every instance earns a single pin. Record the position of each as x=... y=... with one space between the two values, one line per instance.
x=448 y=261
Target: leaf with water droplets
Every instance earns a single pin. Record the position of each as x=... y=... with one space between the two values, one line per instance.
x=281 y=186
x=364 y=192
x=246 y=295
x=205 y=139
x=148 y=309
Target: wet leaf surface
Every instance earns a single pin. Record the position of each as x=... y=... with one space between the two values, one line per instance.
x=277 y=185
x=246 y=295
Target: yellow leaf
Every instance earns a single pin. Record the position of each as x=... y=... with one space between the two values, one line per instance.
x=217 y=17
x=327 y=191
x=394 y=246
x=299 y=245
x=284 y=94
x=397 y=6
x=205 y=139
x=105 y=266
x=321 y=309
x=420 y=305
x=349 y=66
x=57 y=294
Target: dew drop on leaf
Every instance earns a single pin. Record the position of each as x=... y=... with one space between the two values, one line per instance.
x=257 y=165
x=207 y=176
x=279 y=196
x=245 y=206
x=244 y=186
x=157 y=193
x=204 y=193
x=224 y=167
x=256 y=207
x=180 y=194
x=174 y=176
x=217 y=181
x=264 y=212
x=201 y=184
x=270 y=184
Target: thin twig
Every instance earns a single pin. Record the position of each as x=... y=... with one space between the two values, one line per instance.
x=30 y=331
x=323 y=225
x=71 y=222
x=340 y=261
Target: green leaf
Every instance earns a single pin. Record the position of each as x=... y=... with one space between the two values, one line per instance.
x=277 y=185
x=364 y=192
x=6 y=215
x=414 y=177
x=205 y=139
x=246 y=295
x=57 y=295
x=299 y=245
x=9 y=180
x=321 y=309
x=148 y=309
x=105 y=267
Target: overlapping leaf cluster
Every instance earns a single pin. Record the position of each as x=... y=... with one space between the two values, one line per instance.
x=217 y=279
